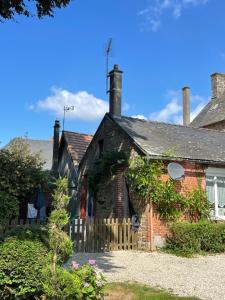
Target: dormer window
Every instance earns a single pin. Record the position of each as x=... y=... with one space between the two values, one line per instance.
x=100 y=147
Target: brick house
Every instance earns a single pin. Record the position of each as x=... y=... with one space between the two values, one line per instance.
x=200 y=151
x=212 y=115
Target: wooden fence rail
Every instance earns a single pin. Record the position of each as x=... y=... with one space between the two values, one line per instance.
x=93 y=235
x=103 y=235
x=13 y=223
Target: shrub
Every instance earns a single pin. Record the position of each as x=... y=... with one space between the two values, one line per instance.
x=73 y=283
x=9 y=208
x=24 y=253
x=192 y=238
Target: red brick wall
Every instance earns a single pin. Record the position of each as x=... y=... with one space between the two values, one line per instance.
x=194 y=176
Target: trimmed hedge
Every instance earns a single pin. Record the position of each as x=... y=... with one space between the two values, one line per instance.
x=191 y=238
x=24 y=254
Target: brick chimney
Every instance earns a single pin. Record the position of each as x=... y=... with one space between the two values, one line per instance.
x=56 y=148
x=115 y=91
x=218 y=85
x=186 y=105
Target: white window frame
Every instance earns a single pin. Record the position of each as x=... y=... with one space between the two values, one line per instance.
x=216 y=172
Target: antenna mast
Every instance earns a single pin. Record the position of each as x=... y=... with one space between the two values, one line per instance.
x=108 y=50
x=66 y=109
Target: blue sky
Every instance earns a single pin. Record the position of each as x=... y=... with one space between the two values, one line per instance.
x=161 y=45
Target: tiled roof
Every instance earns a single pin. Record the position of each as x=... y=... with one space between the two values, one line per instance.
x=77 y=143
x=43 y=147
x=158 y=139
x=212 y=113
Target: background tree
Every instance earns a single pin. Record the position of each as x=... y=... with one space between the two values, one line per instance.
x=10 y=8
x=21 y=174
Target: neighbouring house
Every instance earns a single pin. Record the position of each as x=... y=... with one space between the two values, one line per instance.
x=212 y=115
x=37 y=205
x=67 y=154
x=200 y=151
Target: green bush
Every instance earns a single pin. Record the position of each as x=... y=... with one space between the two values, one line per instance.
x=73 y=283
x=192 y=238
x=24 y=253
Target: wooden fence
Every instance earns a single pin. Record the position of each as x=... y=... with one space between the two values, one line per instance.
x=103 y=235
x=94 y=235
x=13 y=223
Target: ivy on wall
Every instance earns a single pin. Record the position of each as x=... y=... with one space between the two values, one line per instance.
x=104 y=169
x=145 y=180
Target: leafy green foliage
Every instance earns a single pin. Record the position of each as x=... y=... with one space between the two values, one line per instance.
x=198 y=205
x=76 y=283
x=105 y=167
x=8 y=208
x=191 y=238
x=169 y=203
x=59 y=241
x=21 y=171
x=60 y=283
x=145 y=180
x=43 y=7
x=24 y=253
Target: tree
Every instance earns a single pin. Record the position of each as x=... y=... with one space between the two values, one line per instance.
x=21 y=173
x=10 y=8
x=60 y=243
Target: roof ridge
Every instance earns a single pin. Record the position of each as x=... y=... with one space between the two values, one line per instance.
x=172 y=124
x=87 y=134
x=28 y=139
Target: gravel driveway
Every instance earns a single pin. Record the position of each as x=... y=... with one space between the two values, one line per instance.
x=203 y=277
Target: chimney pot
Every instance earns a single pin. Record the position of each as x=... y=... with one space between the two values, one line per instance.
x=186 y=105
x=115 y=91
x=218 y=85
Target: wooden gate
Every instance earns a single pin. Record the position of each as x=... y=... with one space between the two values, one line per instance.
x=101 y=235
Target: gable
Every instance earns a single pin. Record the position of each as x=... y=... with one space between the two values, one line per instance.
x=213 y=112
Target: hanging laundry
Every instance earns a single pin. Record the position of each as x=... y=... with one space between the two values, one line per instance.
x=31 y=211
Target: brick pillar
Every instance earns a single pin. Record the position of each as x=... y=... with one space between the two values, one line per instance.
x=119 y=205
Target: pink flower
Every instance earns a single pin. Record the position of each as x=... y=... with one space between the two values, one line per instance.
x=92 y=262
x=74 y=264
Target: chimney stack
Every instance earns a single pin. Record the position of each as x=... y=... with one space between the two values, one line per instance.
x=186 y=105
x=115 y=91
x=56 y=148
x=218 y=85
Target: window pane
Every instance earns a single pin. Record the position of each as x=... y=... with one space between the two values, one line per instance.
x=210 y=188
x=221 y=195
x=221 y=191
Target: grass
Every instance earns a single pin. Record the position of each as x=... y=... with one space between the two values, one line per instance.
x=135 y=291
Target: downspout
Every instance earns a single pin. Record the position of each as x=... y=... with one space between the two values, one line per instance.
x=150 y=222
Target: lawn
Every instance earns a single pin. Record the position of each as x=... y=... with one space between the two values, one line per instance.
x=134 y=291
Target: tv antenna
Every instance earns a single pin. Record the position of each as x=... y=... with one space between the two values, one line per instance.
x=108 y=51
x=66 y=109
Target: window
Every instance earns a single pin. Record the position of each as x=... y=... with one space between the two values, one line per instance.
x=100 y=147
x=215 y=188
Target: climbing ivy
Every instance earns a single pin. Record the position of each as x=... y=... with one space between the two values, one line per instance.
x=104 y=168
x=145 y=179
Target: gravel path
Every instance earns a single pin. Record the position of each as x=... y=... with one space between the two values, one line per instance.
x=203 y=277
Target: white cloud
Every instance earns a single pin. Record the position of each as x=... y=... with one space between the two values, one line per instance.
x=173 y=111
x=86 y=106
x=142 y=117
x=153 y=14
